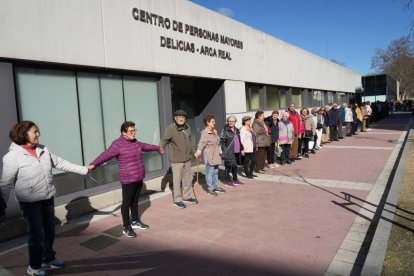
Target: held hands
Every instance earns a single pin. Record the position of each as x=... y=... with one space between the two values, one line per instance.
x=242 y=152
x=90 y=168
x=161 y=150
x=197 y=155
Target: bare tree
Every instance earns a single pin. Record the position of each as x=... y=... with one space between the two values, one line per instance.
x=411 y=33
x=397 y=61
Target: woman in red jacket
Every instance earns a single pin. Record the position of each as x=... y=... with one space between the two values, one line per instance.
x=131 y=172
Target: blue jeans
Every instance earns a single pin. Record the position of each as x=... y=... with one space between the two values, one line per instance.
x=212 y=176
x=40 y=217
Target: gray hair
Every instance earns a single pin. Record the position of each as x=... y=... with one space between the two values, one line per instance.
x=231 y=117
x=285 y=114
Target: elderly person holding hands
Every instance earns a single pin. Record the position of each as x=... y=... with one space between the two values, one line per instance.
x=248 y=140
x=231 y=148
x=180 y=151
x=210 y=144
x=131 y=171
x=28 y=168
x=263 y=140
x=286 y=137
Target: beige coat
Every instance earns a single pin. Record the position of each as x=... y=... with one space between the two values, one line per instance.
x=210 y=144
x=310 y=124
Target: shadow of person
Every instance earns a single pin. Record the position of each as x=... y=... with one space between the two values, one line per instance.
x=144 y=200
x=201 y=178
x=79 y=215
x=167 y=180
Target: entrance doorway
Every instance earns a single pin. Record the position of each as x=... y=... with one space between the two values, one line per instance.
x=199 y=97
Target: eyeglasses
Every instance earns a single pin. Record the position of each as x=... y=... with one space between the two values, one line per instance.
x=132 y=130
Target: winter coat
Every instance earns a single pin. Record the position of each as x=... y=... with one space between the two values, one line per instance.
x=286 y=132
x=358 y=113
x=227 y=145
x=248 y=139
x=348 y=115
x=32 y=177
x=364 y=113
x=333 y=117
x=128 y=153
x=341 y=114
x=294 y=117
x=309 y=123
x=210 y=144
x=274 y=129
x=262 y=136
x=178 y=139
x=354 y=116
x=325 y=119
x=320 y=120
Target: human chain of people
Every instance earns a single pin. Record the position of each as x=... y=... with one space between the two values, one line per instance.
x=260 y=144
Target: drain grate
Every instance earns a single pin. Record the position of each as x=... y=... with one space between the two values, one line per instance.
x=99 y=242
x=115 y=231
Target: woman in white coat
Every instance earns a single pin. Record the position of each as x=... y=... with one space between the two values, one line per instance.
x=349 y=119
x=28 y=167
x=248 y=140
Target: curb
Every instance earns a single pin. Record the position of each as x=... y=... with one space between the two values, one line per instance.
x=374 y=261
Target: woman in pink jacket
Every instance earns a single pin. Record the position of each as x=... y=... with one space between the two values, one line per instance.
x=131 y=172
x=210 y=144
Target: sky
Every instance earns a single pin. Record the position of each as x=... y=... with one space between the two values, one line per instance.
x=348 y=31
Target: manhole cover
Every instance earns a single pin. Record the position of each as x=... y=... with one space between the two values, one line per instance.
x=99 y=242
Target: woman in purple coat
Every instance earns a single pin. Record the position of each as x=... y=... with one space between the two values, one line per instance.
x=131 y=172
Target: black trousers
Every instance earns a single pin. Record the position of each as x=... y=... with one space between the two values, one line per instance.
x=271 y=153
x=303 y=146
x=233 y=170
x=285 y=153
x=315 y=139
x=249 y=163
x=40 y=218
x=130 y=196
x=333 y=132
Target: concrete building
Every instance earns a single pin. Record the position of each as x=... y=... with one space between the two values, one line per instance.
x=380 y=87
x=80 y=68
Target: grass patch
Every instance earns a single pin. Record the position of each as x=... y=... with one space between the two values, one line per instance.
x=399 y=259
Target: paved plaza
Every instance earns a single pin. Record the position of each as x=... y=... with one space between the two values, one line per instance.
x=309 y=218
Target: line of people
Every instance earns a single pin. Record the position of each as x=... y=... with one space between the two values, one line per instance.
x=256 y=146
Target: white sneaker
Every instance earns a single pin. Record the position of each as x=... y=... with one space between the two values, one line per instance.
x=55 y=264
x=35 y=272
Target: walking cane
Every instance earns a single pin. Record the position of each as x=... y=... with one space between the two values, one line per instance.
x=196 y=184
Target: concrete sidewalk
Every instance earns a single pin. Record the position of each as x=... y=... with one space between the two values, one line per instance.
x=308 y=218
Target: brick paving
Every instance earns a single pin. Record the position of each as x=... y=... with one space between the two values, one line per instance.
x=265 y=227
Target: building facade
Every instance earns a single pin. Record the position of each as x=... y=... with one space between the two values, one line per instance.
x=80 y=68
x=380 y=87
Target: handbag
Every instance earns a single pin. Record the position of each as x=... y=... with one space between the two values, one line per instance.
x=308 y=134
x=278 y=150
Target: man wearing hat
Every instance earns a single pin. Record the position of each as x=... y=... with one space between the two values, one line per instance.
x=180 y=151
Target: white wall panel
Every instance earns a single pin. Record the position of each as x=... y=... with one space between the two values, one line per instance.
x=235 y=96
x=104 y=33
x=55 y=31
